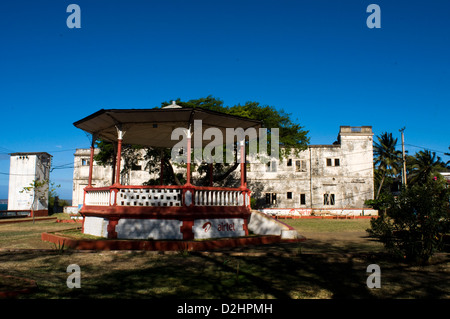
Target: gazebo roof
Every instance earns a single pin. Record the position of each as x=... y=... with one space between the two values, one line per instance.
x=154 y=127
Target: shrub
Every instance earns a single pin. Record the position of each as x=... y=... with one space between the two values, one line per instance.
x=414 y=222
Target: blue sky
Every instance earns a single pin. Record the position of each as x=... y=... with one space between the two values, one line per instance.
x=317 y=60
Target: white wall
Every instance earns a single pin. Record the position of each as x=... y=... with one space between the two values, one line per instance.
x=149 y=229
x=25 y=168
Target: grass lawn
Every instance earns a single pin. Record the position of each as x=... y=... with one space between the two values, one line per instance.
x=329 y=225
x=332 y=263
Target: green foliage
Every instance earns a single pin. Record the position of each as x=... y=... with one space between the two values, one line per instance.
x=420 y=167
x=381 y=203
x=424 y=166
x=41 y=190
x=292 y=136
x=387 y=160
x=415 y=221
x=106 y=155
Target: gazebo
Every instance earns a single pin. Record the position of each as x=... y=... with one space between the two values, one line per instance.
x=179 y=212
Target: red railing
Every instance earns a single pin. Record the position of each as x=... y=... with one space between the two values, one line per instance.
x=166 y=196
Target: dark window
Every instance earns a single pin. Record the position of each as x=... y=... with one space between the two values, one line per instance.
x=300 y=166
x=328 y=199
x=135 y=167
x=289 y=162
x=271 y=198
x=302 y=199
x=333 y=162
x=289 y=195
x=336 y=162
x=271 y=166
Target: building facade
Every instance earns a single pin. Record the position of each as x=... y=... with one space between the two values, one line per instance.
x=24 y=169
x=321 y=179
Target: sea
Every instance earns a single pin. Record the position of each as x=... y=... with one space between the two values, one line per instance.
x=3 y=206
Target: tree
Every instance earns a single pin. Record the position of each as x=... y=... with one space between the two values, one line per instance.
x=107 y=156
x=387 y=158
x=447 y=154
x=40 y=191
x=424 y=166
x=291 y=136
x=415 y=221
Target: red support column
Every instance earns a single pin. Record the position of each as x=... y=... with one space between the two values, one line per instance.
x=242 y=160
x=119 y=151
x=245 y=226
x=161 y=176
x=91 y=164
x=188 y=177
x=186 y=229
x=111 y=228
x=211 y=174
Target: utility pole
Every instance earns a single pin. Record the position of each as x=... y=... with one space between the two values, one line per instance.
x=404 y=183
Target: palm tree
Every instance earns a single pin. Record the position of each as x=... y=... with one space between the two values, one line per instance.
x=447 y=154
x=425 y=164
x=387 y=158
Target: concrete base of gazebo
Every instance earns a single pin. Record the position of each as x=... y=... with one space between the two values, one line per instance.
x=265 y=230
x=158 y=229
x=187 y=226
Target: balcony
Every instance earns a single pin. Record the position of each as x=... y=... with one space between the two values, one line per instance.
x=148 y=201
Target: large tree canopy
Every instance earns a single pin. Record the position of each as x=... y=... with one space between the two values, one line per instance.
x=292 y=136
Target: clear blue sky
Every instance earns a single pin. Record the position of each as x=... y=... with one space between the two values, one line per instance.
x=315 y=59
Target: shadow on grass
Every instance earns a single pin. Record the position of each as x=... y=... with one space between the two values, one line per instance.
x=282 y=274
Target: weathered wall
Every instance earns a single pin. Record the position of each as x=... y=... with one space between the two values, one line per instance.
x=24 y=168
x=349 y=180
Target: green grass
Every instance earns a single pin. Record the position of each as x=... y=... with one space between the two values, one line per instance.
x=75 y=233
x=279 y=271
x=329 y=225
x=26 y=235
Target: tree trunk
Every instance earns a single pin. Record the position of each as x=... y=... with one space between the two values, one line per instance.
x=177 y=181
x=227 y=173
x=381 y=185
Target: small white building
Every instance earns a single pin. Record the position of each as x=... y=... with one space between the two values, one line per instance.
x=24 y=169
x=333 y=179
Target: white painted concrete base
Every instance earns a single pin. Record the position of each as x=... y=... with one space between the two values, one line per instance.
x=218 y=228
x=263 y=224
x=96 y=226
x=149 y=229
x=159 y=229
